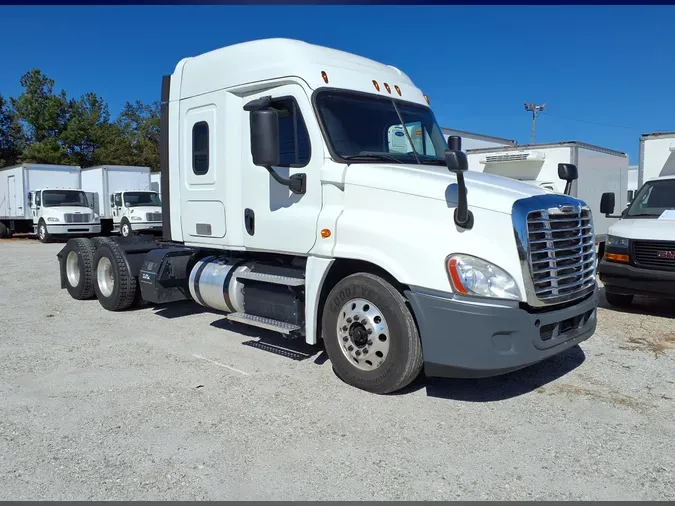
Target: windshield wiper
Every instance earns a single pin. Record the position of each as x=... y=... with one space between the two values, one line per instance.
x=372 y=156
x=642 y=214
x=432 y=161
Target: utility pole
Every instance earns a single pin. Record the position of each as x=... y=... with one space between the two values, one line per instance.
x=535 y=109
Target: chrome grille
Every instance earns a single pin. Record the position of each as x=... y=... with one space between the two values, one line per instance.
x=561 y=253
x=153 y=216
x=654 y=254
x=77 y=218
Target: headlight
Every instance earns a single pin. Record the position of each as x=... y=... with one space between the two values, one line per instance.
x=473 y=276
x=136 y=218
x=617 y=242
x=52 y=219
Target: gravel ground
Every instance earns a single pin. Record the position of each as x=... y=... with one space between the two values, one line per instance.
x=146 y=405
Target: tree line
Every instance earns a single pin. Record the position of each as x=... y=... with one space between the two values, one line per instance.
x=43 y=126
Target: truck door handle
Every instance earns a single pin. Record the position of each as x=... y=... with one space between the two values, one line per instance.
x=249 y=221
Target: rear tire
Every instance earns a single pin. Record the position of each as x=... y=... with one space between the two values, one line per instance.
x=78 y=266
x=100 y=240
x=618 y=299
x=115 y=287
x=5 y=233
x=363 y=312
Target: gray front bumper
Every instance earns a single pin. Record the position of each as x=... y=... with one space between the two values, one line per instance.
x=473 y=339
x=74 y=228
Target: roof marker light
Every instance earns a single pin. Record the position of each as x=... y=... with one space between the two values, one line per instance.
x=427 y=99
x=324 y=76
x=377 y=86
x=398 y=90
x=386 y=87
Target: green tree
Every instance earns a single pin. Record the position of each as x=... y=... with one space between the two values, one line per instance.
x=44 y=116
x=140 y=125
x=12 y=140
x=85 y=130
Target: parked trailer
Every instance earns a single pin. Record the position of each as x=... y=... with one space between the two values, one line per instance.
x=600 y=170
x=156 y=183
x=657 y=156
x=45 y=200
x=306 y=223
x=122 y=196
x=472 y=140
x=632 y=181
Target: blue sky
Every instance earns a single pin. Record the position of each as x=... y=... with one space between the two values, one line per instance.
x=605 y=72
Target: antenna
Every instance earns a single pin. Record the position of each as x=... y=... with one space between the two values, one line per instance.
x=535 y=109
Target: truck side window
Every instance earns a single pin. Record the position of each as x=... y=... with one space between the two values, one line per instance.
x=294 y=145
x=38 y=200
x=118 y=200
x=200 y=148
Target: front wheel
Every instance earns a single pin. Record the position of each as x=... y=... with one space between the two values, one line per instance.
x=125 y=229
x=370 y=335
x=43 y=234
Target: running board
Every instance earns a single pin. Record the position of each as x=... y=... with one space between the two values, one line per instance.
x=271 y=278
x=264 y=323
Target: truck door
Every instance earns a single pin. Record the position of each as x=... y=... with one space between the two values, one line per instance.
x=116 y=207
x=274 y=218
x=11 y=197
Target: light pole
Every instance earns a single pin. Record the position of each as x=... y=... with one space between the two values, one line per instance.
x=535 y=109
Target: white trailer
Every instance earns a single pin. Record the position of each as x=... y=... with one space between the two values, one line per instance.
x=122 y=196
x=632 y=181
x=657 y=156
x=600 y=170
x=46 y=200
x=306 y=221
x=472 y=140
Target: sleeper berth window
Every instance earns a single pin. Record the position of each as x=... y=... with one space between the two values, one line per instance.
x=200 y=148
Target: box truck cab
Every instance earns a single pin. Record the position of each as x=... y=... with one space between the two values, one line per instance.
x=136 y=211
x=286 y=207
x=58 y=212
x=640 y=254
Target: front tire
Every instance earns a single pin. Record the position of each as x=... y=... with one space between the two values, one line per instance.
x=125 y=228
x=42 y=233
x=115 y=286
x=618 y=299
x=78 y=268
x=370 y=335
x=5 y=232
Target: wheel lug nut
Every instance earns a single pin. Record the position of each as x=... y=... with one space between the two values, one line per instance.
x=370 y=331
x=349 y=320
x=365 y=350
x=370 y=343
x=351 y=348
x=356 y=318
x=358 y=353
x=345 y=328
x=345 y=339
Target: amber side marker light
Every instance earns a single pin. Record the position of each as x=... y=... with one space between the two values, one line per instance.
x=454 y=277
x=386 y=87
x=614 y=257
x=325 y=233
x=427 y=99
x=324 y=76
x=398 y=90
x=377 y=86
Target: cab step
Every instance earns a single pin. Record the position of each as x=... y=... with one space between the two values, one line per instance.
x=272 y=278
x=287 y=329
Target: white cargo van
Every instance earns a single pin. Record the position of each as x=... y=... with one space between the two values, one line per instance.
x=286 y=208
x=123 y=197
x=600 y=170
x=45 y=200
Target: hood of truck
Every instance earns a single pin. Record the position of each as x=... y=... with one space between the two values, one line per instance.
x=646 y=229
x=58 y=211
x=484 y=191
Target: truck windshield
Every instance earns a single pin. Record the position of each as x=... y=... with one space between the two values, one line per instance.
x=368 y=128
x=55 y=198
x=653 y=198
x=141 y=199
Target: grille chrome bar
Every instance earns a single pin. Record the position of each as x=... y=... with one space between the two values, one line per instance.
x=76 y=218
x=556 y=245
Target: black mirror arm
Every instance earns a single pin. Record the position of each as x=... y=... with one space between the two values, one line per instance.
x=609 y=215
x=297 y=183
x=463 y=216
x=568 y=187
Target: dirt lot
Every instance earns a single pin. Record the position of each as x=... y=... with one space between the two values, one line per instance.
x=174 y=403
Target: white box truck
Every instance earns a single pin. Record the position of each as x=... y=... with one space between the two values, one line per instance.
x=302 y=220
x=45 y=200
x=600 y=170
x=657 y=156
x=156 y=183
x=122 y=196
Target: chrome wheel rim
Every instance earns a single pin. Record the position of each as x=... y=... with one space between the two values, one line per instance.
x=42 y=231
x=72 y=269
x=104 y=277
x=363 y=334
x=125 y=230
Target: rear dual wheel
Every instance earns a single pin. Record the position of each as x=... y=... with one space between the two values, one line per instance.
x=370 y=334
x=116 y=288
x=78 y=267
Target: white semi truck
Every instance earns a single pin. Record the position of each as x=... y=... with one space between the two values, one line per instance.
x=600 y=170
x=45 y=200
x=122 y=196
x=285 y=208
